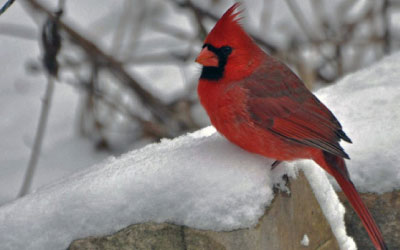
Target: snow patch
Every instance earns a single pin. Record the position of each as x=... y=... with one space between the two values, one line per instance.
x=305 y=241
x=329 y=202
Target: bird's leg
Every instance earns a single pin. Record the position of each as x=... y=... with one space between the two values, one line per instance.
x=276 y=163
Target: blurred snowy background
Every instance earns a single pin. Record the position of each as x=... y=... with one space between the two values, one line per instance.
x=127 y=75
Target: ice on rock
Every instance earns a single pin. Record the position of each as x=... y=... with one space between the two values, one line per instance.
x=305 y=241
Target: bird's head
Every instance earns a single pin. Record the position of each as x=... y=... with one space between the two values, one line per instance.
x=228 y=51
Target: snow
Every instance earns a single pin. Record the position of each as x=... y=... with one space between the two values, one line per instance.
x=367 y=104
x=305 y=241
x=329 y=202
x=198 y=180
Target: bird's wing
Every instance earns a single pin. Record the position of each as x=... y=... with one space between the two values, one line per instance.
x=279 y=102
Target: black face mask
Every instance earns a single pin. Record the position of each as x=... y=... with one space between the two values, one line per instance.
x=216 y=73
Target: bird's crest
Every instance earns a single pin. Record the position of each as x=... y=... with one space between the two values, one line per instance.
x=227 y=29
x=230 y=17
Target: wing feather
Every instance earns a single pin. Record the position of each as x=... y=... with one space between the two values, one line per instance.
x=284 y=106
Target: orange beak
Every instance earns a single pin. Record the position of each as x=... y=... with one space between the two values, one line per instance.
x=207 y=58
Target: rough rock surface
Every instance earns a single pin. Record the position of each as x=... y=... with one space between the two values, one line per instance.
x=385 y=208
x=284 y=224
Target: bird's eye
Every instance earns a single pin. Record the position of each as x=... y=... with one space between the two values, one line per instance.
x=226 y=50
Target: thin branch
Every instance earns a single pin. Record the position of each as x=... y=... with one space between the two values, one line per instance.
x=386 y=26
x=44 y=114
x=120 y=30
x=51 y=43
x=167 y=57
x=6 y=6
x=137 y=24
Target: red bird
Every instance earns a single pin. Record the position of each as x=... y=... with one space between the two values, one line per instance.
x=259 y=104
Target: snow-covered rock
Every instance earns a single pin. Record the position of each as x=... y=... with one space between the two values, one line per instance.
x=199 y=180
x=282 y=226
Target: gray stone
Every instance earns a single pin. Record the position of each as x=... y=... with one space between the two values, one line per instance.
x=385 y=208
x=140 y=236
x=283 y=226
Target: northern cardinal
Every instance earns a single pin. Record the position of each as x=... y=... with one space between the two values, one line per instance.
x=259 y=104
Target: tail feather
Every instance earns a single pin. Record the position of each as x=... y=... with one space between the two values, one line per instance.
x=337 y=168
x=362 y=211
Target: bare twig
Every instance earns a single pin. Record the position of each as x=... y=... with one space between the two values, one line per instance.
x=160 y=58
x=137 y=24
x=386 y=26
x=87 y=111
x=51 y=43
x=6 y=6
x=120 y=30
x=38 y=138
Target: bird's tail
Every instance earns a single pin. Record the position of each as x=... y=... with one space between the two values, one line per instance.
x=336 y=166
